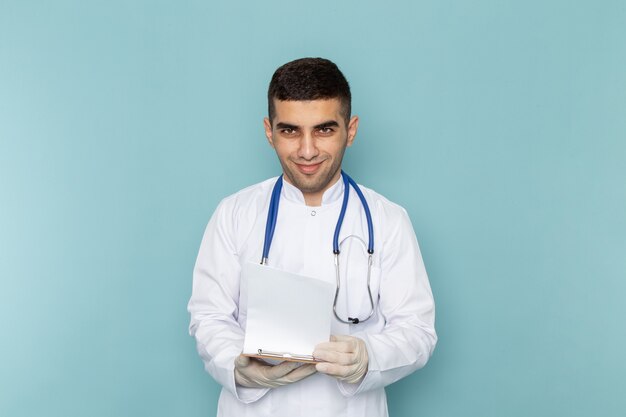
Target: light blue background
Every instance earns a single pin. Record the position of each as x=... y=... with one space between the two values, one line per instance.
x=499 y=125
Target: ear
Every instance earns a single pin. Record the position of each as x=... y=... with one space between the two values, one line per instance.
x=353 y=126
x=268 y=131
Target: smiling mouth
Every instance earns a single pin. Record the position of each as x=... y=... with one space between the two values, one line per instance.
x=309 y=168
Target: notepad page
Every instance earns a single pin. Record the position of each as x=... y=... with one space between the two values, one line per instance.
x=286 y=312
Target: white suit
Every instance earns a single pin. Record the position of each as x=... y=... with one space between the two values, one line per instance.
x=400 y=336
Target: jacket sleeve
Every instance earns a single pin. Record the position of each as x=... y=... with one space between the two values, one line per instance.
x=406 y=304
x=214 y=304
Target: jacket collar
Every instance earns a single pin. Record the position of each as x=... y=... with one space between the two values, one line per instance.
x=333 y=194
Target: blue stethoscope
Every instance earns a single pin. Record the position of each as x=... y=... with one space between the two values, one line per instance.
x=272 y=216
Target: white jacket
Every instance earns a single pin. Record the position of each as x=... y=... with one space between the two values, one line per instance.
x=400 y=337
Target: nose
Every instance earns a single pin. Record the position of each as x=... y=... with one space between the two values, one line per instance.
x=308 y=147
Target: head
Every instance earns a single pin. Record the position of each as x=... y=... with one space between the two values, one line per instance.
x=309 y=124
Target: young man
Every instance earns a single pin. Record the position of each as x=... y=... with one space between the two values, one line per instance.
x=310 y=126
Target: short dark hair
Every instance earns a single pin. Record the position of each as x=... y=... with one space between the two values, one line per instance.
x=309 y=79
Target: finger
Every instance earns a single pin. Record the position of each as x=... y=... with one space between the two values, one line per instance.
x=340 y=358
x=300 y=373
x=339 y=371
x=332 y=348
x=341 y=338
x=350 y=342
x=336 y=346
x=282 y=369
x=242 y=361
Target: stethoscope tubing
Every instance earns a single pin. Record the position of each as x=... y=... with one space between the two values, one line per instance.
x=353 y=320
x=270 y=227
x=272 y=217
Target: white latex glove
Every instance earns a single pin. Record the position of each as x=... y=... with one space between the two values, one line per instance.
x=253 y=373
x=344 y=357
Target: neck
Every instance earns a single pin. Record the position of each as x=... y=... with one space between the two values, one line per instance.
x=314 y=198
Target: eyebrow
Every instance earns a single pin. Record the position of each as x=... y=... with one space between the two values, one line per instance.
x=329 y=123
x=282 y=125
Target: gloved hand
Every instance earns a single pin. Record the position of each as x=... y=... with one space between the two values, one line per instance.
x=344 y=357
x=253 y=373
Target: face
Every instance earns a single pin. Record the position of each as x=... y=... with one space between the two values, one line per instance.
x=310 y=138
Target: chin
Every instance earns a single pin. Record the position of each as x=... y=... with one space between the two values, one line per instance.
x=313 y=184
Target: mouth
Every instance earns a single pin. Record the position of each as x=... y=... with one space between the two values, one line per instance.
x=309 y=168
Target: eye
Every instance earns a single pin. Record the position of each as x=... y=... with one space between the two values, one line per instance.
x=288 y=131
x=326 y=131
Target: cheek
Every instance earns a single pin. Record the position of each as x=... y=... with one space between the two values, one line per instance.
x=337 y=150
x=283 y=151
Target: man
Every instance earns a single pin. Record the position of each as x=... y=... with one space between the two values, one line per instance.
x=310 y=126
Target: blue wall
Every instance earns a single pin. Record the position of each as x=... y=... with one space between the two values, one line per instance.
x=499 y=125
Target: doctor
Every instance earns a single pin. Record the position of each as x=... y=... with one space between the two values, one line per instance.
x=309 y=125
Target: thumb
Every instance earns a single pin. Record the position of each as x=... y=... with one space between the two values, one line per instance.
x=282 y=369
x=340 y=338
x=241 y=361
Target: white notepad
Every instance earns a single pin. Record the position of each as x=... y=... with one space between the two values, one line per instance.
x=288 y=314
